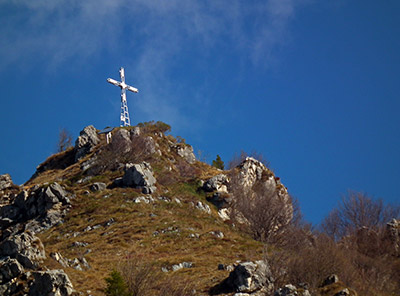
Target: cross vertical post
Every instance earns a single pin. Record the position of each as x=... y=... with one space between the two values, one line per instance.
x=124 y=118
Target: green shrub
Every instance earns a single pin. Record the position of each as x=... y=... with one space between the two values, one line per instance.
x=218 y=163
x=116 y=285
x=151 y=127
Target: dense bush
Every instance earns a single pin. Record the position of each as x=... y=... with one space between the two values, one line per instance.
x=152 y=127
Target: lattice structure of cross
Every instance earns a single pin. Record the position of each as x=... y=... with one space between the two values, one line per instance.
x=125 y=121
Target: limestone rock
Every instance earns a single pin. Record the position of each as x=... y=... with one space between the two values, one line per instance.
x=98 y=186
x=75 y=263
x=254 y=180
x=25 y=247
x=330 y=280
x=85 y=143
x=121 y=141
x=287 y=290
x=149 y=145
x=9 y=289
x=252 y=170
x=135 y=132
x=44 y=204
x=185 y=151
x=8 y=189
x=10 y=268
x=344 y=292
x=89 y=165
x=52 y=282
x=5 y=182
x=217 y=234
x=250 y=277
x=203 y=207
x=217 y=183
x=144 y=199
x=224 y=214
x=139 y=176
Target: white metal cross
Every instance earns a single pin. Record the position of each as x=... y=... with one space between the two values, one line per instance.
x=125 y=121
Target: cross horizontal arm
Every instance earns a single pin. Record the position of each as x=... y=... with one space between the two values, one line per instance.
x=112 y=81
x=131 y=88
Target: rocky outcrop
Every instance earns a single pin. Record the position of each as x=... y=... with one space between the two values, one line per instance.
x=255 y=186
x=217 y=183
x=124 y=141
x=76 y=263
x=85 y=143
x=203 y=207
x=10 y=268
x=7 y=189
x=252 y=171
x=344 y=292
x=24 y=247
x=224 y=214
x=249 y=277
x=139 y=176
x=121 y=141
x=43 y=206
x=5 y=182
x=98 y=186
x=20 y=255
x=330 y=280
x=185 y=151
x=52 y=282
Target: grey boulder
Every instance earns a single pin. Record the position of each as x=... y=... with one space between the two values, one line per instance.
x=10 y=268
x=98 y=186
x=121 y=141
x=250 y=277
x=85 y=143
x=139 y=176
x=5 y=182
x=25 y=247
x=185 y=151
x=49 y=283
x=217 y=183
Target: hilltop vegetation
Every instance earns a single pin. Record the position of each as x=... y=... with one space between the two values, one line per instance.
x=140 y=215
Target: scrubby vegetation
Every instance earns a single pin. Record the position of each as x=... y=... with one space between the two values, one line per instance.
x=354 y=242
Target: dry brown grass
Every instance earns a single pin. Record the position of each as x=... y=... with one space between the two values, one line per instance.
x=133 y=234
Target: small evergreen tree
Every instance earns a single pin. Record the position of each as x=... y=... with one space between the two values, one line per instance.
x=116 y=285
x=218 y=163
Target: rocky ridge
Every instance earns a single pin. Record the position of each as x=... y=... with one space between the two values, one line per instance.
x=144 y=193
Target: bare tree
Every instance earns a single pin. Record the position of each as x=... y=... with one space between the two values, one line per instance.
x=267 y=214
x=355 y=211
x=64 y=140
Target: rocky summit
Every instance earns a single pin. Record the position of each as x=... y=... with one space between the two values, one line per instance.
x=140 y=215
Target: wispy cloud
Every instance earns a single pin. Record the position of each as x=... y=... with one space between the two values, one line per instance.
x=155 y=31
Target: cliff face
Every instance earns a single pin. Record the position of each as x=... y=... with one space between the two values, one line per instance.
x=141 y=200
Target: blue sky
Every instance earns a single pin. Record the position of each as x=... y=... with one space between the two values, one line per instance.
x=312 y=85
